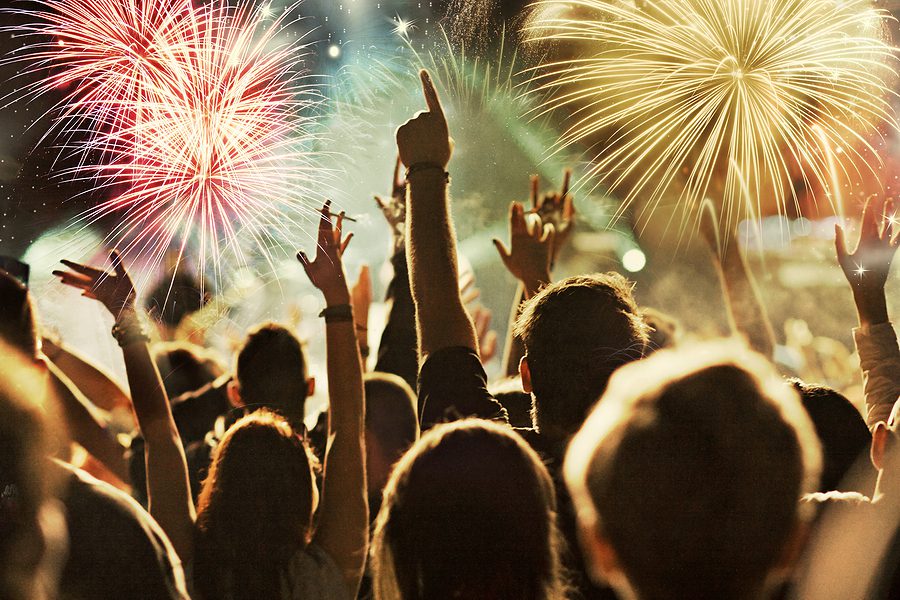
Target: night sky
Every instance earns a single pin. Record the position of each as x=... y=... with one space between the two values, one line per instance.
x=32 y=199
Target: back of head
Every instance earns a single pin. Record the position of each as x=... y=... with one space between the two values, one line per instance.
x=843 y=434
x=255 y=509
x=468 y=513
x=176 y=296
x=576 y=333
x=272 y=371
x=390 y=413
x=664 y=330
x=17 y=322
x=690 y=468
x=185 y=367
x=518 y=403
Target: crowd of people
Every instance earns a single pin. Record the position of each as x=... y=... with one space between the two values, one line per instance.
x=612 y=460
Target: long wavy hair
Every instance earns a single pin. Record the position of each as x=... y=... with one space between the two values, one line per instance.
x=255 y=510
x=469 y=512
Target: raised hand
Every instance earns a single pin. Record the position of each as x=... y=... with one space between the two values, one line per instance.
x=361 y=299
x=326 y=272
x=487 y=337
x=531 y=248
x=114 y=290
x=556 y=209
x=868 y=266
x=394 y=209
x=424 y=141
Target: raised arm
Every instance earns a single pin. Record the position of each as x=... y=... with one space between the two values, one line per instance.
x=168 y=490
x=344 y=510
x=95 y=383
x=525 y=260
x=398 y=350
x=746 y=312
x=425 y=148
x=867 y=269
x=87 y=426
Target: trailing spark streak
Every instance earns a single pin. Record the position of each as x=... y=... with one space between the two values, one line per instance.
x=689 y=99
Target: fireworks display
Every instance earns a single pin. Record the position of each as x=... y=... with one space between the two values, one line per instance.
x=200 y=122
x=733 y=100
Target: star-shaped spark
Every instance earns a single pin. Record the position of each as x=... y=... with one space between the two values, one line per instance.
x=403 y=27
x=892 y=220
x=860 y=270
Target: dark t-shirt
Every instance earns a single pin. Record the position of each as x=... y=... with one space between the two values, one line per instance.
x=453 y=385
x=116 y=549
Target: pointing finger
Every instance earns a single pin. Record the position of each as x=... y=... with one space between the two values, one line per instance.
x=567 y=175
x=431 y=97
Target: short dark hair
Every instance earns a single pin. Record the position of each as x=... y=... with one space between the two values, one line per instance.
x=175 y=297
x=272 y=371
x=185 y=367
x=843 y=434
x=576 y=333
x=663 y=329
x=17 y=322
x=702 y=451
x=391 y=412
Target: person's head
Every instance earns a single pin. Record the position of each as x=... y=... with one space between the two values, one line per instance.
x=576 y=333
x=256 y=507
x=32 y=528
x=185 y=367
x=392 y=426
x=469 y=512
x=517 y=402
x=843 y=434
x=271 y=372
x=18 y=326
x=687 y=475
x=176 y=296
x=664 y=330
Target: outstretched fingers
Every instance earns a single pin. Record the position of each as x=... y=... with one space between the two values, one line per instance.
x=503 y=251
x=85 y=270
x=75 y=280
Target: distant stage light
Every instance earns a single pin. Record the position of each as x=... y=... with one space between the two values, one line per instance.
x=634 y=260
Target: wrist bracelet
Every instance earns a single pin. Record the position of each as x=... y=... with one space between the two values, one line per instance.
x=418 y=167
x=338 y=313
x=129 y=329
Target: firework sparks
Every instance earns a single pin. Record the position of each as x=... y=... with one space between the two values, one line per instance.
x=208 y=131
x=723 y=98
x=105 y=54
